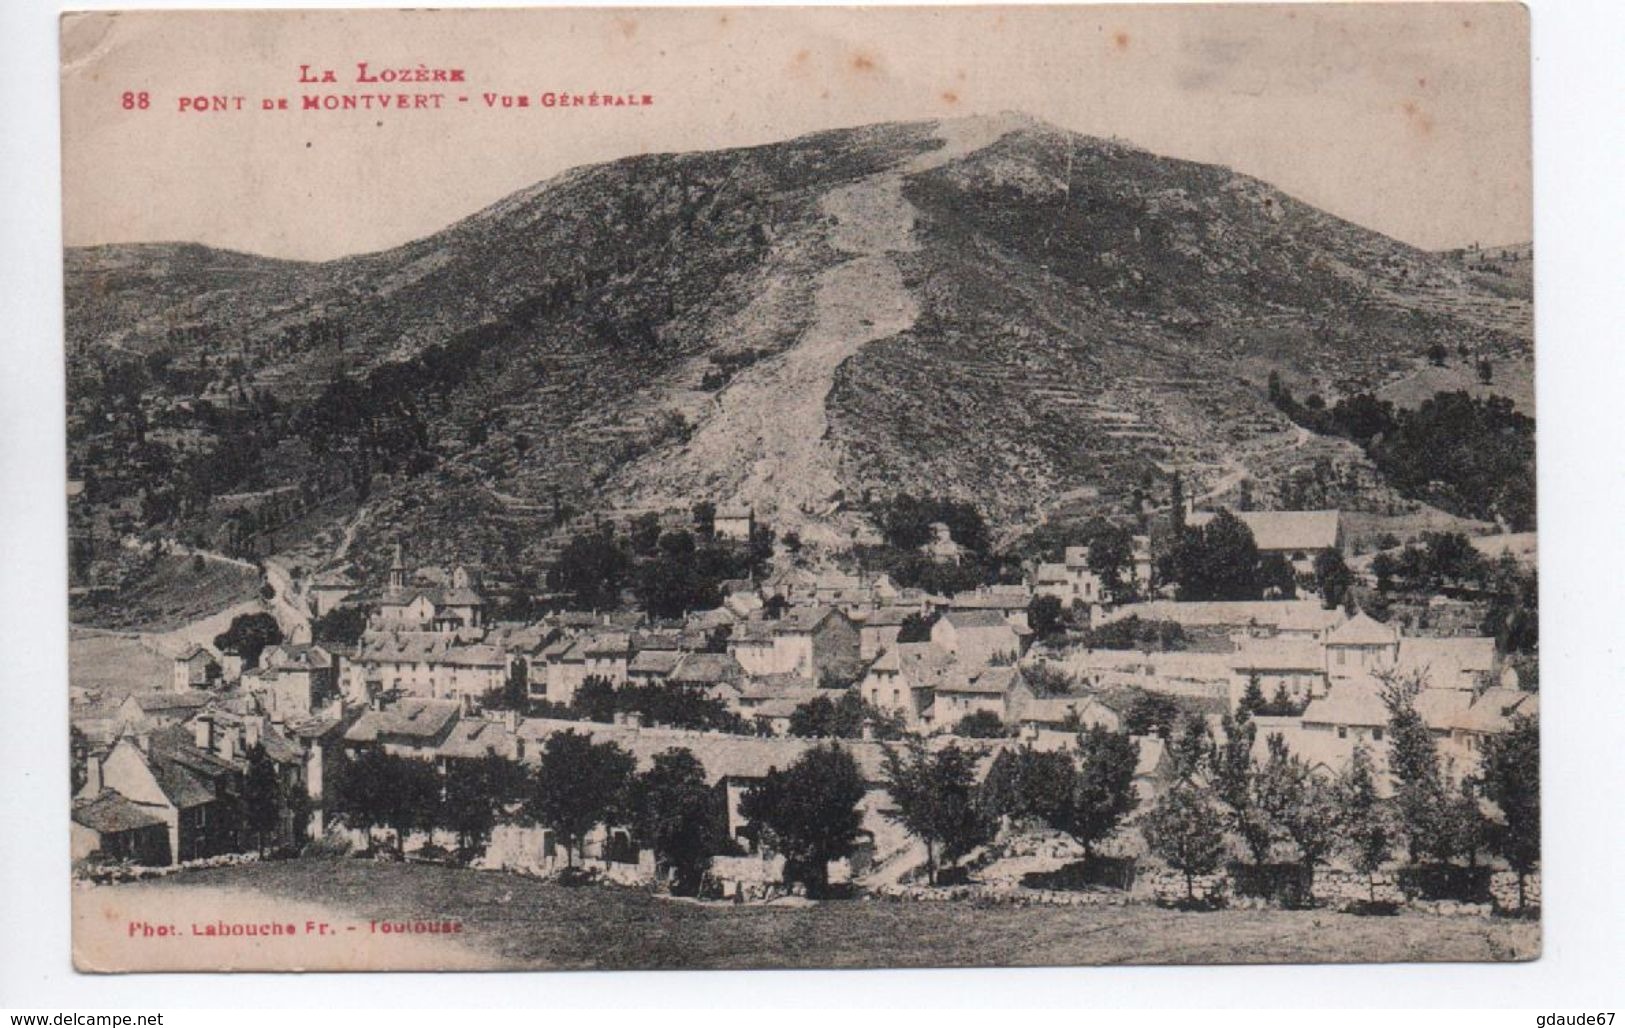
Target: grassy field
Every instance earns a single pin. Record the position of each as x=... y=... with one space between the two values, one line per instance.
x=521 y=922
x=116 y=664
x=175 y=591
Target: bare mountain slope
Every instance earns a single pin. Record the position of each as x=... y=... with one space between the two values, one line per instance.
x=988 y=308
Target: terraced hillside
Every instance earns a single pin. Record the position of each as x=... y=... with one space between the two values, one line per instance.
x=992 y=309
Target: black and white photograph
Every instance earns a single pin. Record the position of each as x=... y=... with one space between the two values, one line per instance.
x=726 y=488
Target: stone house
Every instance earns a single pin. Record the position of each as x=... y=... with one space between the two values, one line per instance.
x=976 y=637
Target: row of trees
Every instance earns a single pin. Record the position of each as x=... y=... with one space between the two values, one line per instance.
x=676 y=706
x=1086 y=793
x=577 y=785
x=1280 y=803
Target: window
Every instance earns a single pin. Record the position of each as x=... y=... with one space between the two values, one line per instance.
x=1342 y=656
x=1342 y=733
x=1376 y=734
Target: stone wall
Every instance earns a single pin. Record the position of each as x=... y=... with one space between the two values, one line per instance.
x=1334 y=888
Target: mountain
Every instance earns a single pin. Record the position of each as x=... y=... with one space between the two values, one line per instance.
x=991 y=309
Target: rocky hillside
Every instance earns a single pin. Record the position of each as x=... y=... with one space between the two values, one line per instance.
x=991 y=309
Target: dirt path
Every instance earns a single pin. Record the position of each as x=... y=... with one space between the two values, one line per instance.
x=1239 y=471
x=770 y=421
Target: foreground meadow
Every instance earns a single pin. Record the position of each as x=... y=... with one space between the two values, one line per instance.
x=520 y=922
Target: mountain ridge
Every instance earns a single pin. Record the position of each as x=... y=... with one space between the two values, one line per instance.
x=988 y=308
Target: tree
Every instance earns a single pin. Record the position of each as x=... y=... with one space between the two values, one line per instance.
x=1111 y=556
x=1027 y=785
x=678 y=815
x=1218 y=561
x=809 y=812
x=1152 y=713
x=262 y=796
x=1463 y=829
x=935 y=797
x=1234 y=778
x=380 y=789
x=248 y=636
x=411 y=797
x=1332 y=578
x=1368 y=834
x=1048 y=679
x=1511 y=763
x=1306 y=808
x=1190 y=748
x=645 y=533
x=78 y=758
x=705 y=518
x=1282 y=704
x=981 y=724
x=1252 y=701
x=592 y=568
x=1413 y=760
x=1104 y=794
x=844 y=717
x=1276 y=578
x=579 y=784
x=477 y=793
x=915 y=628
x=1045 y=616
x=1384 y=566
x=340 y=626
x=1313 y=822
x=1184 y=829
x=595 y=699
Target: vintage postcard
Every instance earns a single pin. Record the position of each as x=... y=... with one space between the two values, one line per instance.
x=801 y=487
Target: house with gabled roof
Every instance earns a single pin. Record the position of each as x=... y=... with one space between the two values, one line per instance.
x=196 y=667
x=976 y=637
x=713 y=673
x=413 y=726
x=1297 y=535
x=1360 y=649
x=967 y=691
x=294 y=680
x=1350 y=711
x=183 y=777
x=118 y=829
x=1293 y=665
x=734 y=521
x=807 y=641
x=878 y=628
x=650 y=667
x=328 y=590
x=903 y=679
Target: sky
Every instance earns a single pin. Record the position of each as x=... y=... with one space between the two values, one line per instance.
x=1411 y=119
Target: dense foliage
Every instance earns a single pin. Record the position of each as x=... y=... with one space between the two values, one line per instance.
x=1469 y=456
x=809 y=813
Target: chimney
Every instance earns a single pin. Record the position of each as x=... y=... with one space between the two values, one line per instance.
x=867 y=731
x=467 y=704
x=251 y=732
x=202 y=733
x=510 y=720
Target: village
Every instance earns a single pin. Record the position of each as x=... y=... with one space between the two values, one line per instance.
x=1228 y=708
